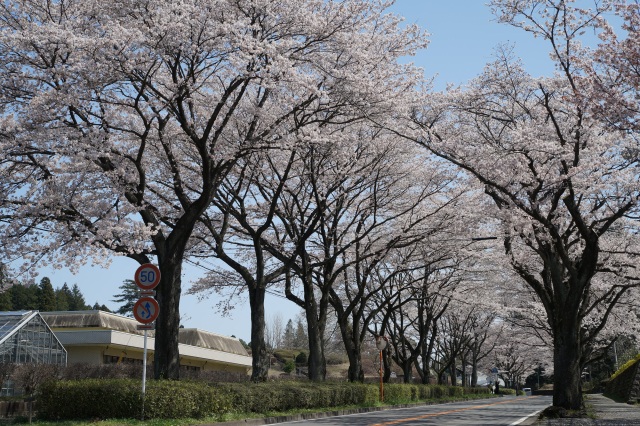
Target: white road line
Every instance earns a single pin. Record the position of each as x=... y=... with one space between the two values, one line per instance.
x=517 y=422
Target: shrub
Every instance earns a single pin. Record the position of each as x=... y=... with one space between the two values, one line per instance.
x=125 y=370
x=282 y=396
x=289 y=366
x=625 y=366
x=336 y=359
x=455 y=391
x=425 y=392
x=121 y=398
x=439 y=391
x=477 y=390
x=29 y=377
x=400 y=393
x=301 y=358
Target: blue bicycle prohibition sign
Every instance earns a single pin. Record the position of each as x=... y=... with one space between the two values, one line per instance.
x=146 y=310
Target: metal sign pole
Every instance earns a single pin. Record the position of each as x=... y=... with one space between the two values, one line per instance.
x=381 y=385
x=381 y=343
x=144 y=371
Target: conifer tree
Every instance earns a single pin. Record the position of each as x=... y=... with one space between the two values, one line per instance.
x=63 y=296
x=46 y=296
x=127 y=297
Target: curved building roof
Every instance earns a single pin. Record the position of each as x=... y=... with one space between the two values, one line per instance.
x=94 y=319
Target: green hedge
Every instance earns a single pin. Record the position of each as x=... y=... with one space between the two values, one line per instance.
x=120 y=398
x=621 y=385
x=406 y=393
x=283 y=396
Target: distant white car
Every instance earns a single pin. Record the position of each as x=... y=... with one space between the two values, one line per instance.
x=527 y=391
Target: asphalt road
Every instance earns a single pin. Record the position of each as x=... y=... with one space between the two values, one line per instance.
x=509 y=410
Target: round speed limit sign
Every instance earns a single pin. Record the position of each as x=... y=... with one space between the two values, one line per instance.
x=147 y=276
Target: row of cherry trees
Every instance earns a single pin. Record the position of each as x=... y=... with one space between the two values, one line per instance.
x=122 y=122
x=559 y=158
x=284 y=139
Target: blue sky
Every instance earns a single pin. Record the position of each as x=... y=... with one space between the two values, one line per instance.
x=463 y=37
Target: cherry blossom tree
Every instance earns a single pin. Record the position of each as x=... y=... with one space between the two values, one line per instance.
x=119 y=120
x=612 y=70
x=242 y=215
x=483 y=337
x=417 y=292
x=354 y=203
x=403 y=200
x=560 y=182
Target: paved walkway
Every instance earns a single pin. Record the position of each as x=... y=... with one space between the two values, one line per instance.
x=608 y=412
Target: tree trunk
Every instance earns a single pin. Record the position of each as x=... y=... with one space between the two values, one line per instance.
x=426 y=349
x=315 y=330
x=454 y=378
x=567 y=386
x=386 y=364
x=259 y=355
x=166 y=355
x=317 y=363
x=315 y=313
x=474 y=374
x=355 y=372
x=407 y=370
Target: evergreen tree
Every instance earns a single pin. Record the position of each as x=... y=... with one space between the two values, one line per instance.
x=99 y=307
x=301 y=340
x=46 y=296
x=63 y=297
x=77 y=302
x=5 y=301
x=24 y=298
x=289 y=336
x=128 y=296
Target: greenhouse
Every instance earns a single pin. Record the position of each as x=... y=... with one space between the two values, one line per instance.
x=26 y=338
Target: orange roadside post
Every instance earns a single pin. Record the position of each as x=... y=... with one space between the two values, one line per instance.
x=381 y=343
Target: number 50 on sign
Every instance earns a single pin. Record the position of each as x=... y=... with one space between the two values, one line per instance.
x=147 y=276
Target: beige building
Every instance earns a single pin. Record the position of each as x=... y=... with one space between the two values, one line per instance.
x=98 y=337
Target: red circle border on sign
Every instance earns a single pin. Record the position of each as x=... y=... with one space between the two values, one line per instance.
x=152 y=318
x=151 y=286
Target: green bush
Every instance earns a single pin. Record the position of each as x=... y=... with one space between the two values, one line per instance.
x=282 y=396
x=456 y=391
x=121 y=398
x=289 y=366
x=625 y=366
x=301 y=358
x=283 y=355
x=178 y=399
x=478 y=390
x=439 y=391
x=336 y=359
x=425 y=392
x=620 y=386
x=400 y=393
x=92 y=398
